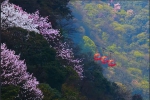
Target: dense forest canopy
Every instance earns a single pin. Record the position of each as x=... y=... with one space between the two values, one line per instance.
x=123 y=30
x=55 y=64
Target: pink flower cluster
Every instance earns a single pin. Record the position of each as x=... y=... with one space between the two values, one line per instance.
x=13 y=15
x=13 y=72
x=78 y=67
x=67 y=55
x=117 y=7
x=45 y=27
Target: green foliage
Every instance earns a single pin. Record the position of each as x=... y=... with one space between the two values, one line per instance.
x=138 y=53
x=121 y=14
x=70 y=89
x=88 y=6
x=100 y=6
x=91 y=11
x=53 y=74
x=123 y=90
x=134 y=71
x=118 y=27
x=89 y=45
x=144 y=84
x=141 y=35
x=113 y=47
x=71 y=93
x=129 y=28
x=142 y=38
x=48 y=92
x=104 y=36
x=126 y=35
x=32 y=46
x=140 y=19
x=9 y=92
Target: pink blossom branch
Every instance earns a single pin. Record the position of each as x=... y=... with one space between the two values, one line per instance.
x=13 y=72
x=67 y=55
x=13 y=15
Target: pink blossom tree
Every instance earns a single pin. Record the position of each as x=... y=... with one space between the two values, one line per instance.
x=117 y=7
x=14 y=72
x=13 y=15
x=66 y=55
